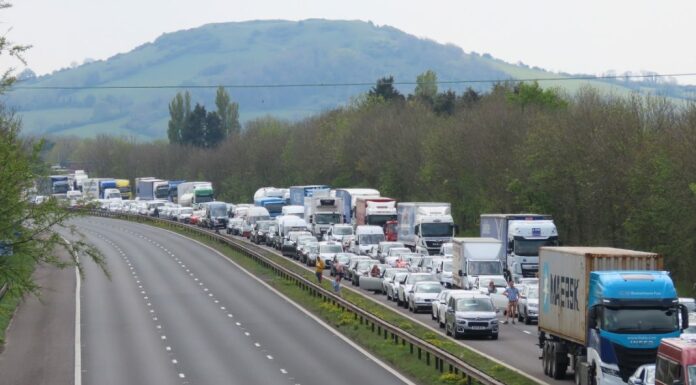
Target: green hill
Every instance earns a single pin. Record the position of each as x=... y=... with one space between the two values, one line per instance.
x=252 y=53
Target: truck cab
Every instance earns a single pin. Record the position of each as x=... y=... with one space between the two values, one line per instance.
x=321 y=211
x=366 y=237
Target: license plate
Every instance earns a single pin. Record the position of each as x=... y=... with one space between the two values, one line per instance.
x=478 y=327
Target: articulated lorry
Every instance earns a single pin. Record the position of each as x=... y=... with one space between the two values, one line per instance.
x=145 y=189
x=104 y=184
x=299 y=193
x=425 y=225
x=124 y=186
x=374 y=211
x=522 y=235
x=603 y=312
x=349 y=196
x=191 y=194
x=172 y=195
x=274 y=205
x=475 y=262
x=54 y=185
x=321 y=211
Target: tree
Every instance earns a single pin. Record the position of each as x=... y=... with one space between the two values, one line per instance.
x=179 y=110
x=426 y=87
x=228 y=112
x=194 y=129
x=384 y=89
x=531 y=93
x=28 y=232
x=214 y=132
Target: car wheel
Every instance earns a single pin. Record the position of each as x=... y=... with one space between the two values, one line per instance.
x=527 y=319
x=440 y=324
x=410 y=308
x=432 y=315
x=447 y=330
x=519 y=315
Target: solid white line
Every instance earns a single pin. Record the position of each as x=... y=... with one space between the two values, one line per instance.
x=306 y=312
x=526 y=331
x=78 y=329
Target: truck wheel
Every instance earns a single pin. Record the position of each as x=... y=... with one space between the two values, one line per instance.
x=545 y=358
x=552 y=361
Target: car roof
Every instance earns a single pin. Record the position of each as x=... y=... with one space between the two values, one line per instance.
x=469 y=294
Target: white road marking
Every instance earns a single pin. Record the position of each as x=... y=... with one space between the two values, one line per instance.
x=78 y=334
x=239 y=324
x=168 y=348
x=526 y=331
x=258 y=345
x=174 y=361
x=230 y=315
x=270 y=357
x=181 y=375
x=283 y=371
x=247 y=334
x=222 y=308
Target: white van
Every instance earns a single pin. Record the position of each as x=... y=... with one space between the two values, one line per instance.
x=366 y=237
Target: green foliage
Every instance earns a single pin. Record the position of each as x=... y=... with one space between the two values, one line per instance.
x=426 y=88
x=179 y=110
x=613 y=171
x=228 y=113
x=385 y=90
x=525 y=94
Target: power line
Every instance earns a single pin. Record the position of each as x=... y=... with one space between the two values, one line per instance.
x=356 y=84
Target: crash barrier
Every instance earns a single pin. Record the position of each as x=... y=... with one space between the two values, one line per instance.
x=426 y=352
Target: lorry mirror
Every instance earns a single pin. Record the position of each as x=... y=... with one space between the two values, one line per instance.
x=684 y=316
x=456 y=229
x=592 y=317
x=510 y=246
x=460 y=273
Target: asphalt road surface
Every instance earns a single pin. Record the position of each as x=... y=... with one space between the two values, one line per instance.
x=516 y=345
x=175 y=312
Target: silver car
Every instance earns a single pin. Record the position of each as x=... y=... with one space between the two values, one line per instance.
x=407 y=284
x=393 y=285
x=389 y=273
x=439 y=305
x=471 y=313
x=422 y=294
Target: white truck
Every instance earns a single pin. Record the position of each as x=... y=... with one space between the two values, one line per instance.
x=425 y=225
x=475 y=262
x=321 y=211
x=366 y=239
x=294 y=210
x=521 y=235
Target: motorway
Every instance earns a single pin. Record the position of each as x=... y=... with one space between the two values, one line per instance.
x=176 y=312
x=516 y=346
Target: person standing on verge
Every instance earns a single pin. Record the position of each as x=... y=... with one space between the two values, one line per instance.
x=319 y=269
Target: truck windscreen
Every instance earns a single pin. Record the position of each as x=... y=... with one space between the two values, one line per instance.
x=639 y=320
x=380 y=220
x=204 y=198
x=162 y=192
x=325 y=219
x=437 y=229
x=274 y=208
x=218 y=211
x=485 y=268
x=530 y=247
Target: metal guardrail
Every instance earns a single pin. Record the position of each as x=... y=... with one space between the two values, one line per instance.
x=441 y=358
x=3 y=290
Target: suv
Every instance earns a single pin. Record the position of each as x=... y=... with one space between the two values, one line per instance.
x=471 y=313
x=259 y=231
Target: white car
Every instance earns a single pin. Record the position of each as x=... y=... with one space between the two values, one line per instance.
x=528 y=304
x=499 y=298
x=338 y=232
x=183 y=214
x=422 y=294
x=393 y=285
x=644 y=375
x=443 y=272
x=389 y=273
x=407 y=284
x=439 y=305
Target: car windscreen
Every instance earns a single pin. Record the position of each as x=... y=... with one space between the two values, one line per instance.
x=330 y=249
x=343 y=230
x=447 y=266
x=371 y=239
x=419 y=277
x=474 y=304
x=364 y=265
x=428 y=288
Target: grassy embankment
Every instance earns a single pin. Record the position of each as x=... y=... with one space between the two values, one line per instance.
x=397 y=355
x=8 y=303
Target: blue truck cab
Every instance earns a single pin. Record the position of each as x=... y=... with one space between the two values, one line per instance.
x=630 y=312
x=274 y=205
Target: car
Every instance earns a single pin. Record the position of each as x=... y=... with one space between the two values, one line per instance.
x=439 y=305
x=381 y=251
x=343 y=258
x=499 y=298
x=299 y=239
x=429 y=264
x=644 y=375
x=528 y=304
x=347 y=270
x=360 y=268
x=389 y=272
x=327 y=250
x=300 y=253
x=443 y=272
x=233 y=225
x=183 y=214
x=347 y=239
x=393 y=285
x=446 y=250
x=373 y=283
x=289 y=245
x=471 y=313
x=272 y=234
x=422 y=294
x=337 y=232
x=394 y=253
x=309 y=253
x=408 y=282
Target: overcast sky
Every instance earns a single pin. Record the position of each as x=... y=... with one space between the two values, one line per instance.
x=586 y=36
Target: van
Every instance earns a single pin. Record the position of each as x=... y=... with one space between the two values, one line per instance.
x=366 y=238
x=676 y=362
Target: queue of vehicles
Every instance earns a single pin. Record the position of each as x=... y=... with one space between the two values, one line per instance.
x=605 y=314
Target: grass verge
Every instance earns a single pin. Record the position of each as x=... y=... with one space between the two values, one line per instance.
x=9 y=303
x=397 y=355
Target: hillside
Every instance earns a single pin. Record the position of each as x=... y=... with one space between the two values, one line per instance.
x=248 y=53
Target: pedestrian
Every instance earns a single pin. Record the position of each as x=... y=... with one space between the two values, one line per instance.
x=375 y=272
x=319 y=269
x=339 y=276
x=491 y=287
x=513 y=295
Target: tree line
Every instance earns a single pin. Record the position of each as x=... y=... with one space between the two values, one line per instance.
x=613 y=170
